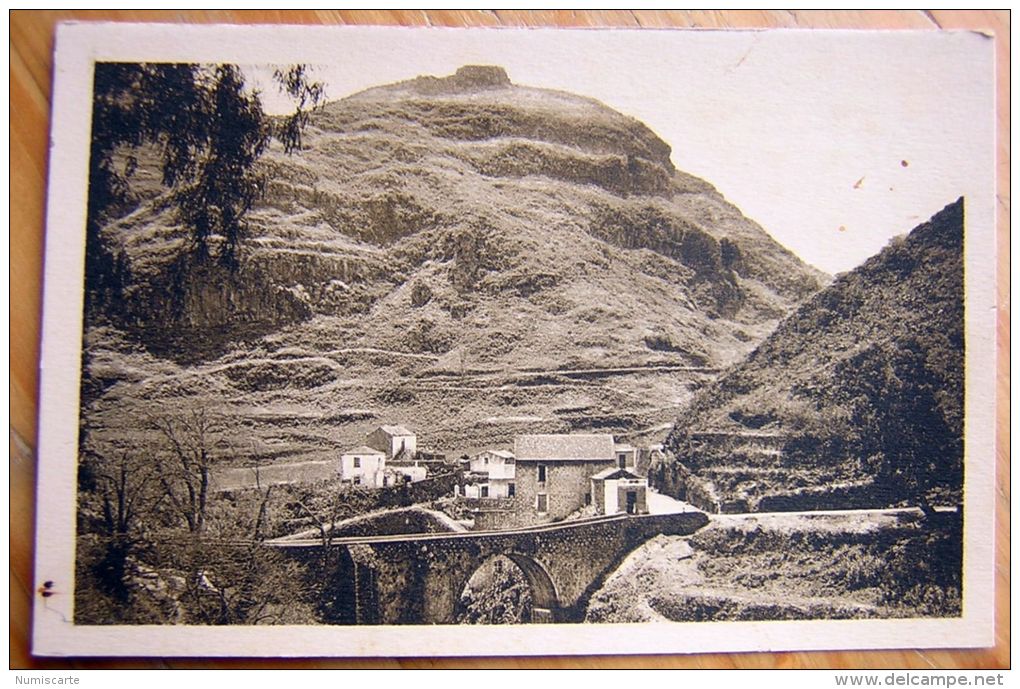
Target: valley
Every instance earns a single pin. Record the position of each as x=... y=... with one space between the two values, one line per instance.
x=481 y=262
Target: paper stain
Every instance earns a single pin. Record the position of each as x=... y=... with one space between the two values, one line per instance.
x=842 y=228
x=904 y=163
x=858 y=183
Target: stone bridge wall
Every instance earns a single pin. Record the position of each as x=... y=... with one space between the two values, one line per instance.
x=419 y=580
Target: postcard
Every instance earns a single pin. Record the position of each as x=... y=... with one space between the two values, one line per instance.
x=366 y=341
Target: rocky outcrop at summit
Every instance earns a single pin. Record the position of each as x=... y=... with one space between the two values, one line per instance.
x=480 y=225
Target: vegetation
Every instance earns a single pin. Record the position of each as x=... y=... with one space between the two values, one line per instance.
x=156 y=543
x=864 y=383
x=498 y=593
x=155 y=546
x=209 y=131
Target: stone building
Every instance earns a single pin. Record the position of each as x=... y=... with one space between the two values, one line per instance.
x=626 y=457
x=394 y=441
x=553 y=473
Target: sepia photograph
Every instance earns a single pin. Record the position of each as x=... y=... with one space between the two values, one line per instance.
x=551 y=341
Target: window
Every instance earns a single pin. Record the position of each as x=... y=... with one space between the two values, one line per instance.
x=485 y=491
x=510 y=491
x=357 y=462
x=541 y=473
x=543 y=503
x=357 y=480
x=623 y=461
x=587 y=498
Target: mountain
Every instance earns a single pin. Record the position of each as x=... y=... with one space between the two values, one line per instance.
x=461 y=254
x=855 y=400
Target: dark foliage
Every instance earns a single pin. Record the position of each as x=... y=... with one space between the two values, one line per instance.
x=498 y=593
x=864 y=382
x=209 y=131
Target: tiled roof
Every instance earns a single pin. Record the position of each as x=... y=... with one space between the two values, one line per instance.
x=505 y=454
x=577 y=446
x=614 y=472
x=364 y=450
x=396 y=430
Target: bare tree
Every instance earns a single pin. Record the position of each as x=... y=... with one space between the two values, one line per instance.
x=191 y=440
x=125 y=489
x=121 y=490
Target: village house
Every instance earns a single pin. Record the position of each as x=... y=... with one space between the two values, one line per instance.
x=386 y=459
x=394 y=441
x=363 y=466
x=626 y=457
x=491 y=474
x=618 y=489
x=553 y=473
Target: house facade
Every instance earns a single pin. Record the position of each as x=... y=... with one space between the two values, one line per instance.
x=363 y=466
x=398 y=473
x=393 y=441
x=626 y=457
x=617 y=490
x=491 y=474
x=553 y=473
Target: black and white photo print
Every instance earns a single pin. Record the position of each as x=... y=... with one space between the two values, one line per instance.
x=597 y=341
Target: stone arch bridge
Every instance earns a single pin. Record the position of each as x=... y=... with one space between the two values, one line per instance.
x=418 y=578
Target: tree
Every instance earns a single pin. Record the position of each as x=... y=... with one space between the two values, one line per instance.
x=123 y=491
x=209 y=131
x=498 y=593
x=910 y=441
x=191 y=439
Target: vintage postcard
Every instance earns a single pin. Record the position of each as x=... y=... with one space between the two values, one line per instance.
x=411 y=342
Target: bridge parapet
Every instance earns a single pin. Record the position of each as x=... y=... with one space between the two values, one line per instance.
x=418 y=578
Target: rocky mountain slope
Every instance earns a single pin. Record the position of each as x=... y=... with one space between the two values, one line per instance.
x=855 y=400
x=460 y=254
x=791 y=567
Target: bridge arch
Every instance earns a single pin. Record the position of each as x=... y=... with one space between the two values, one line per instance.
x=545 y=599
x=419 y=578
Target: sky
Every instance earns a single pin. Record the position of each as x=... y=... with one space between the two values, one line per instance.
x=832 y=141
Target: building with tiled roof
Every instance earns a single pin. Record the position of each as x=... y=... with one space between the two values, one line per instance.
x=363 y=466
x=574 y=447
x=553 y=474
x=491 y=474
x=394 y=441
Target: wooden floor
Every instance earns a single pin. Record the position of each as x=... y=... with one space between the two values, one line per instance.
x=31 y=44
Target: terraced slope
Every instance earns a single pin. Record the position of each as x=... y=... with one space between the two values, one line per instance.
x=466 y=256
x=855 y=400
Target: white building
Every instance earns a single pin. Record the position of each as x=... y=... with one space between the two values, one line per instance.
x=616 y=490
x=363 y=466
x=401 y=472
x=493 y=473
